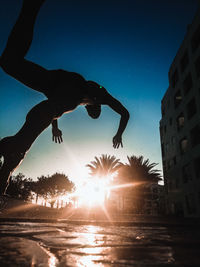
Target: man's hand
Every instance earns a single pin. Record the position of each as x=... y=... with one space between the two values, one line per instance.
x=117 y=141
x=57 y=135
x=123 y=112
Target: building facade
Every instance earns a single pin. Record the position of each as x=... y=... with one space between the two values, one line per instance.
x=180 y=127
x=125 y=200
x=155 y=202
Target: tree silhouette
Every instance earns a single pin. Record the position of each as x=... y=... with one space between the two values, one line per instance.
x=140 y=170
x=52 y=187
x=138 y=174
x=104 y=166
x=59 y=184
x=39 y=187
x=20 y=187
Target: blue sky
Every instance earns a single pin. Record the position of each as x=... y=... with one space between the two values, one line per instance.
x=125 y=45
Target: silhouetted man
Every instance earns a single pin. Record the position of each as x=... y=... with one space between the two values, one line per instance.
x=64 y=90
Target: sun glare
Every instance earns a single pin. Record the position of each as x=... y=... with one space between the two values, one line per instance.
x=93 y=192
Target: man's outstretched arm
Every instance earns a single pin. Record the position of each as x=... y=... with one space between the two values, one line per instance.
x=120 y=109
x=56 y=133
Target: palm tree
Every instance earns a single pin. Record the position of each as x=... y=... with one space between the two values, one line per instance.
x=104 y=166
x=137 y=174
x=140 y=170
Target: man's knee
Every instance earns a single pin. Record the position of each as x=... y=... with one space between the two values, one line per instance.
x=41 y=112
x=5 y=62
x=8 y=63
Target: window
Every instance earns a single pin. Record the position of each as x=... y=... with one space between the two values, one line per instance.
x=184 y=61
x=165 y=128
x=174 y=160
x=190 y=203
x=183 y=145
x=169 y=164
x=177 y=98
x=170 y=186
x=155 y=190
x=197 y=67
x=166 y=147
x=177 y=183
x=197 y=167
x=180 y=121
x=195 y=135
x=195 y=40
x=191 y=108
x=170 y=121
x=173 y=140
x=179 y=209
x=186 y=173
x=174 y=78
x=187 y=83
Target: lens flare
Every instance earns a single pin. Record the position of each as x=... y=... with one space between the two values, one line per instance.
x=93 y=192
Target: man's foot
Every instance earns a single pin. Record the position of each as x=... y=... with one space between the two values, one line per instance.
x=33 y=3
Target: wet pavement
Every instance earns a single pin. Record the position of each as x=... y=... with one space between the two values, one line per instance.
x=42 y=243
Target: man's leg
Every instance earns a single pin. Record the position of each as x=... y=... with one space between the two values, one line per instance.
x=37 y=120
x=14 y=148
x=7 y=169
x=21 y=36
x=12 y=60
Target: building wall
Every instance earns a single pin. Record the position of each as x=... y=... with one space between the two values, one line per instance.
x=154 y=203
x=126 y=201
x=180 y=127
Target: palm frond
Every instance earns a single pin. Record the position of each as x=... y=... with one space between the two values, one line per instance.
x=104 y=165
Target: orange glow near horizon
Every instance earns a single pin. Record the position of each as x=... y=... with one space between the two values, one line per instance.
x=92 y=192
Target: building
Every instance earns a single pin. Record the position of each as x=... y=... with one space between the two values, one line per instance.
x=155 y=203
x=180 y=127
x=125 y=200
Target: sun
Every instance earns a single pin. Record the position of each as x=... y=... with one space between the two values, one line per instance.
x=93 y=192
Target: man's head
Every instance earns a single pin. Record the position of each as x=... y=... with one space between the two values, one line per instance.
x=93 y=111
x=95 y=92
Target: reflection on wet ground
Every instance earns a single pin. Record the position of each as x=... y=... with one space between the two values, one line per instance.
x=63 y=244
